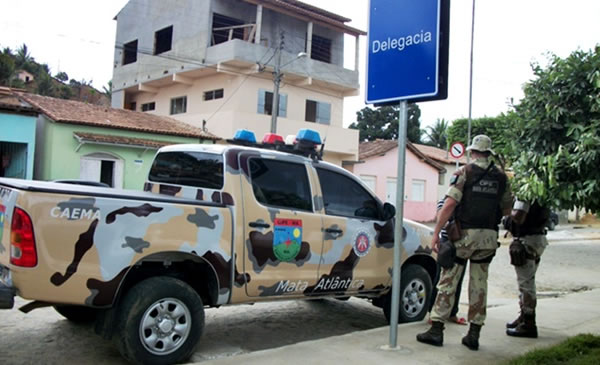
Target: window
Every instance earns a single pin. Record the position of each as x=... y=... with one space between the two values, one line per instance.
x=345 y=197
x=280 y=184
x=222 y=35
x=370 y=181
x=442 y=178
x=265 y=103
x=132 y=106
x=418 y=190
x=148 y=106
x=213 y=94
x=163 y=39
x=179 y=105
x=130 y=52
x=318 y=112
x=199 y=169
x=321 y=49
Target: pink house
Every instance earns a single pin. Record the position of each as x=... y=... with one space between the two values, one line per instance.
x=378 y=169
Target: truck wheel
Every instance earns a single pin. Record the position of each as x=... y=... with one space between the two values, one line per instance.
x=415 y=289
x=77 y=313
x=159 y=321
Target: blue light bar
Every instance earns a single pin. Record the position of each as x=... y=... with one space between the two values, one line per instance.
x=244 y=135
x=309 y=135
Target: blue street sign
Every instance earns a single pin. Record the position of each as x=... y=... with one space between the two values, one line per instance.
x=403 y=50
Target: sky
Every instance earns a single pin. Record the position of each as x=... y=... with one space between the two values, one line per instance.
x=78 y=37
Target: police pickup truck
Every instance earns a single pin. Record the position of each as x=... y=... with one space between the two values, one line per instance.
x=216 y=225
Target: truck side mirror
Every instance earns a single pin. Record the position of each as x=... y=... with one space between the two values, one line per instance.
x=389 y=211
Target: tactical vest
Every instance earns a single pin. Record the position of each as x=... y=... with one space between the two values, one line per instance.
x=480 y=204
x=535 y=221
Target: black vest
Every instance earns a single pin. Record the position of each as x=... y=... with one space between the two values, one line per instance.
x=482 y=193
x=535 y=221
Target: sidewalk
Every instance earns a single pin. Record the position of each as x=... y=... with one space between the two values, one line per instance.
x=558 y=318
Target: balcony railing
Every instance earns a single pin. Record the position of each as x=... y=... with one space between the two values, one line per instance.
x=245 y=32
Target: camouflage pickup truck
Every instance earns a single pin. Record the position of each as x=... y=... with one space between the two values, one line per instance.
x=216 y=225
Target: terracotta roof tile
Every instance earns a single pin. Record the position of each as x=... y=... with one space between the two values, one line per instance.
x=75 y=112
x=381 y=146
x=9 y=101
x=378 y=147
x=439 y=154
x=108 y=139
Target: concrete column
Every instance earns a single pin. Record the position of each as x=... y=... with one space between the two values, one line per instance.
x=356 y=52
x=259 y=11
x=309 y=33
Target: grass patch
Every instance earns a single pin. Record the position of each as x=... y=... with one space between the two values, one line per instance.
x=579 y=350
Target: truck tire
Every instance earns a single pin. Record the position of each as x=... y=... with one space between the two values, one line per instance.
x=415 y=289
x=77 y=313
x=159 y=321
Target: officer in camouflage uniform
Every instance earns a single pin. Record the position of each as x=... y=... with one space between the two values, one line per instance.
x=528 y=227
x=481 y=196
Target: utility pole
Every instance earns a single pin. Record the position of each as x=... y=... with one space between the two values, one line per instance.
x=470 y=82
x=277 y=76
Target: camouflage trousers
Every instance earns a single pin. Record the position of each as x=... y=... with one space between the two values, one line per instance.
x=449 y=279
x=526 y=276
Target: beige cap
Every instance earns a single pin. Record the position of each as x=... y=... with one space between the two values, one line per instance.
x=481 y=143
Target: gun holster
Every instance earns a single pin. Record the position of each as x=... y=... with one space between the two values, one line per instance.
x=518 y=253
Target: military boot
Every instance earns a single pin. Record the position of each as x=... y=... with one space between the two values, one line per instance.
x=434 y=336
x=471 y=340
x=527 y=328
x=516 y=322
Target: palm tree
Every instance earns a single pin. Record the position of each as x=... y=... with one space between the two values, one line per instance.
x=437 y=134
x=22 y=57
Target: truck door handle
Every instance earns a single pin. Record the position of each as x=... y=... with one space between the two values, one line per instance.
x=259 y=225
x=334 y=231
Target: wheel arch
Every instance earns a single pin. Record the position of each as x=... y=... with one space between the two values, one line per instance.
x=194 y=270
x=425 y=261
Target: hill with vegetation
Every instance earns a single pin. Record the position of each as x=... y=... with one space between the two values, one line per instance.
x=19 y=70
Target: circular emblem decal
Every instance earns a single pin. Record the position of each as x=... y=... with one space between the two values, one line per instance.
x=362 y=244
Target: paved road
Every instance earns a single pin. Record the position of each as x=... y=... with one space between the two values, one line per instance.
x=44 y=337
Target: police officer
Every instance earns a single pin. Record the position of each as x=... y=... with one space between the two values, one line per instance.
x=528 y=226
x=481 y=196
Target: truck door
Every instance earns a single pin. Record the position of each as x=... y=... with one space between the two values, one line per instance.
x=282 y=232
x=358 y=246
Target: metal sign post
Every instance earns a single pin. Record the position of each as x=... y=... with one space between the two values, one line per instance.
x=402 y=132
x=407 y=59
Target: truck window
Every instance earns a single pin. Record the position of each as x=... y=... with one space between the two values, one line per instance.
x=345 y=197
x=199 y=169
x=281 y=184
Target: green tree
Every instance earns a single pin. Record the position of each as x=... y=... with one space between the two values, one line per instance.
x=23 y=58
x=108 y=89
x=382 y=123
x=45 y=85
x=437 y=134
x=554 y=135
x=7 y=68
x=62 y=76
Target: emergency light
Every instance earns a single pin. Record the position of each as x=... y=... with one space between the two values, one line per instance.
x=304 y=143
x=272 y=138
x=244 y=135
x=308 y=135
